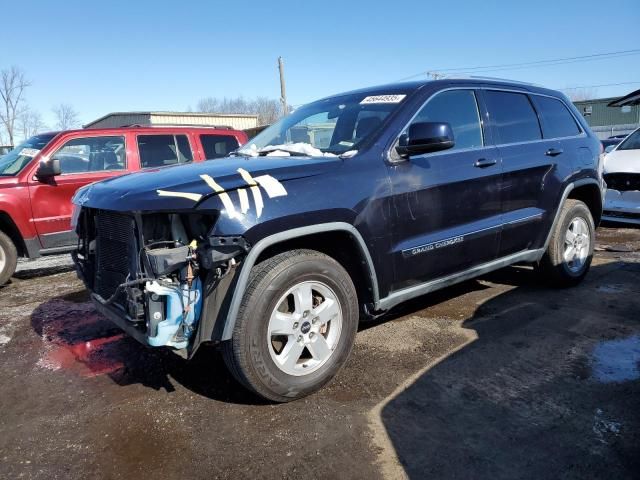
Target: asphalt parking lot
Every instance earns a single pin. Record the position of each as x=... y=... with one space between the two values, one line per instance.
x=500 y=377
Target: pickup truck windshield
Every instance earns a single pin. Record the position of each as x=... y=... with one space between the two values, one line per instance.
x=327 y=127
x=18 y=158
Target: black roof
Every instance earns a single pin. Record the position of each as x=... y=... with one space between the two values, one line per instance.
x=632 y=99
x=410 y=86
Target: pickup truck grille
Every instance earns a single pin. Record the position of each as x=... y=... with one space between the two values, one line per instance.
x=622 y=182
x=116 y=253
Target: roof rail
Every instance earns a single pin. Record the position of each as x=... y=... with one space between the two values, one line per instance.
x=174 y=125
x=494 y=79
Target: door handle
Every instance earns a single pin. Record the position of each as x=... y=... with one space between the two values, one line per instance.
x=484 y=163
x=553 y=152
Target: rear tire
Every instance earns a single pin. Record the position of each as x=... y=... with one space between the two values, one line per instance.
x=8 y=258
x=570 y=251
x=295 y=327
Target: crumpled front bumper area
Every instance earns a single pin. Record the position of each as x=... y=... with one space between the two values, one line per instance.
x=622 y=206
x=147 y=272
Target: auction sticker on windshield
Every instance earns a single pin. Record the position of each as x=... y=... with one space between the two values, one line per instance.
x=29 y=152
x=382 y=99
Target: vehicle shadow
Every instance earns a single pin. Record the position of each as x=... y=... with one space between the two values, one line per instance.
x=78 y=339
x=36 y=269
x=520 y=401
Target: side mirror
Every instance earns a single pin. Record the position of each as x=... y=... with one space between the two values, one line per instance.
x=425 y=137
x=49 y=168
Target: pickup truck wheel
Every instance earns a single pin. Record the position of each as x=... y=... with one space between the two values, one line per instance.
x=8 y=258
x=295 y=327
x=570 y=251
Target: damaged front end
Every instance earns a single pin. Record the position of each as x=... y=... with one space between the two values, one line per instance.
x=622 y=200
x=148 y=272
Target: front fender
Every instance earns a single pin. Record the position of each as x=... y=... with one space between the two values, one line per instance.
x=222 y=303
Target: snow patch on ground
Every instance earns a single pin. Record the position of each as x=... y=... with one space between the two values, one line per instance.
x=604 y=428
x=4 y=339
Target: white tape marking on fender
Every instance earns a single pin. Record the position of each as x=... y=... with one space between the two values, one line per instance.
x=223 y=195
x=244 y=200
x=255 y=190
x=271 y=185
x=191 y=196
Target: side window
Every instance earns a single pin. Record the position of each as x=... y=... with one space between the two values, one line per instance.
x=92 y=154
x=162 y=150
x=513 y=116
x=218 y=146
x=458 y=108
x=557 y=121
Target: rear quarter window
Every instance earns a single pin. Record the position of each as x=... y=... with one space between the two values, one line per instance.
x=557 y=121
x=218 y=146
x=162 y=150
x=513 y=117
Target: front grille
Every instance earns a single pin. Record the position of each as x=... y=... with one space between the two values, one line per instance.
x=116 y=253
x=622 y=182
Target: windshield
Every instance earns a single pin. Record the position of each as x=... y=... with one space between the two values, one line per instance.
x=328 y=127
x=18 y=158
x=632 y=142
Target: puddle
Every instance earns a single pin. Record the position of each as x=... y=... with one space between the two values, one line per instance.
x=91 y=358
x=617 y=360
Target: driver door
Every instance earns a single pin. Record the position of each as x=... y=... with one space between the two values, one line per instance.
x=83 y=160
x=447 y=203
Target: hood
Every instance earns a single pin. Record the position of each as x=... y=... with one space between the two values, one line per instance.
x=183 y=187
x=622 y=161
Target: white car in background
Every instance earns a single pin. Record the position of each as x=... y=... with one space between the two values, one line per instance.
x=622 y=175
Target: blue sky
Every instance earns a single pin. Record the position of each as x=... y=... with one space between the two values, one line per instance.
x=142 y=55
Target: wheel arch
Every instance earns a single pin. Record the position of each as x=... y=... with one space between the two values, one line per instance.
x=589 y=194
x=585 y=188
x=354 y=256
x=8 y=226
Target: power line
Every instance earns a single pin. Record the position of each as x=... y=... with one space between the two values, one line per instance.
x=601 y=85
x=538 y=63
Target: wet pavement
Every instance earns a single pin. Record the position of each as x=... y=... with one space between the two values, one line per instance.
x=499 y=377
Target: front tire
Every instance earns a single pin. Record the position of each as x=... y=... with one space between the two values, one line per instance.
x=570 y=251
x=8 y=258
x=295 y=327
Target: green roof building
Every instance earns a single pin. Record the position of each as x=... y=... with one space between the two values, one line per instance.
x=606 y=121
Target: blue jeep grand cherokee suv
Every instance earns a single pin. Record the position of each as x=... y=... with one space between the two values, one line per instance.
x=339 y=211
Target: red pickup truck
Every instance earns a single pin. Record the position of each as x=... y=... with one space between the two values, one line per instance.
x=39 y=177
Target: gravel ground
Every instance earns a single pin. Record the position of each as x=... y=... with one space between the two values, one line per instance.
x=499 y=377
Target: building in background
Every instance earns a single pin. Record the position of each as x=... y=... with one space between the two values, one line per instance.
x=606 y=120
x=123 y=119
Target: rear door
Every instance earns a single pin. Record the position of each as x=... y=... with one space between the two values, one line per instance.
x=447 y=203
x=83 y=160
x=528 y=162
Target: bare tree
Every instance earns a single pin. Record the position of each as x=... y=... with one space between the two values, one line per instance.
x=267 y=109
x=30 y=123
x=66 y=116
x=12 y=87
x=581 y=94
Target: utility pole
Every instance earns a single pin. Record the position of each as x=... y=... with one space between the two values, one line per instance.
x=283 y=90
